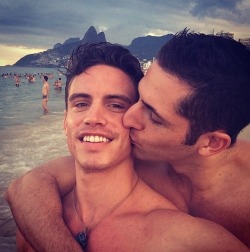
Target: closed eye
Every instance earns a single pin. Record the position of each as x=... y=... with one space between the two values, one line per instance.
x=153 y=118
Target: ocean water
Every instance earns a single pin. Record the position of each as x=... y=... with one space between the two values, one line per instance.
x=28 y=136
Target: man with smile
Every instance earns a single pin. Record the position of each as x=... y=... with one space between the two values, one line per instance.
x=88 y=148
x=194 y=101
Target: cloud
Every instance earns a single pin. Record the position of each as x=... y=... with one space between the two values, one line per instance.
x=158 y=32
x=10 y=54
x=230 y=10
x=42 y=24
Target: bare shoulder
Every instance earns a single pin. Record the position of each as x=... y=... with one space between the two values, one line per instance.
x=166 y=228
x=174 y=229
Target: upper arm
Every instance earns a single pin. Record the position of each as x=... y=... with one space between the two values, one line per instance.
x=60 y=171
x=36 y=206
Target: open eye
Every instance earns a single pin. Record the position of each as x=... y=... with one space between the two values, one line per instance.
x=117 y=107
x=81 y=104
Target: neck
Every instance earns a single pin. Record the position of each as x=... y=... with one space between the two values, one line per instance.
x=206 y=173
x=98 y=192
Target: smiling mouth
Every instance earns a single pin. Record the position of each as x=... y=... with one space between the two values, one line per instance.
x=95 y=139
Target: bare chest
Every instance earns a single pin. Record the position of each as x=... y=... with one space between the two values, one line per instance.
x=125 y=235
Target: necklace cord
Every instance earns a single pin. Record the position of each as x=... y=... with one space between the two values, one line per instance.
x=87 y=229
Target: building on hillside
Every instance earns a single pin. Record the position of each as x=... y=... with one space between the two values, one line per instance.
x=145 y=64
x=246 y=42
x=225 y=34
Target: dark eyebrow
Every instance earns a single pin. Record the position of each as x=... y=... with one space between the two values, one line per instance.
x=78 y=95
x=149 y=107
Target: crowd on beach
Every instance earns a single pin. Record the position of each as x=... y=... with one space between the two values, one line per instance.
x=45 y=78
x=31 y=78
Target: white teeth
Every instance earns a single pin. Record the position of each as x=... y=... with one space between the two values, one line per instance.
x=95 y=139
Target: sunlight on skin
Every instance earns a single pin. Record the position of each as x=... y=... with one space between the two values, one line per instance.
x=11 y=54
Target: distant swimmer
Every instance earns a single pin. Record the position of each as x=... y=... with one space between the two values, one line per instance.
x=45 y=93
x=58 y=84
x=17 y=80
x=31 y=79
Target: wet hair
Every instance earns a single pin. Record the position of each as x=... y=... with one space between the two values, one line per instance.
x=218 y=71
x=45 y=78
x=103 y=53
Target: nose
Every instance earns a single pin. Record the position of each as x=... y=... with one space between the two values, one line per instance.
x=133 y=117
x=95 y=116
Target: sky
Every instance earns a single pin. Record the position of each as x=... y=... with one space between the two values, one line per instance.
x=28 y=26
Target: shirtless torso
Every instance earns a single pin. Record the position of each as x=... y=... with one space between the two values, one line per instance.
x=225 y=198
x=149 y=223
x=45 y=89
x=225 y=201
x=45 y=95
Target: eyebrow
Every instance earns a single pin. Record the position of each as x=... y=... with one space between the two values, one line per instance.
x=149 y=107
x=108 y=97
x=78 y=95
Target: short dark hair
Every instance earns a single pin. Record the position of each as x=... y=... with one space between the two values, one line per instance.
x=218 y=71
x=103 y=53
x=45 y=77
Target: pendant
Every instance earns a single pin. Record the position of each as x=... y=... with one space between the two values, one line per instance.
x=82 y=238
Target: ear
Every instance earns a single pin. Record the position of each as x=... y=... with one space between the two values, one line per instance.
x=213 y=143
x=65 y=123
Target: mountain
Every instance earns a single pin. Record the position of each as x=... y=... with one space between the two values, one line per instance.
x=147 y=47
x=142 y=48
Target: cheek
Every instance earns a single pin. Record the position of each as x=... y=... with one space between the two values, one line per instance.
x=153 y=136
x=65 y=128
x=70 y=127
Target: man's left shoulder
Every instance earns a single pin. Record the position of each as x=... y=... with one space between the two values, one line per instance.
x=192 y=233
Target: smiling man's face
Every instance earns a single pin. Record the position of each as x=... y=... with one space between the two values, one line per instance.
x=98 y=99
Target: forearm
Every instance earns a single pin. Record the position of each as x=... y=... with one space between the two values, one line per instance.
x=36 y=206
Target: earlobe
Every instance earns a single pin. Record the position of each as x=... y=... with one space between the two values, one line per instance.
x=214 y=142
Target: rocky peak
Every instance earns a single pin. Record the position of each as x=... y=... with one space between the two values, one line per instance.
x=92 y=36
